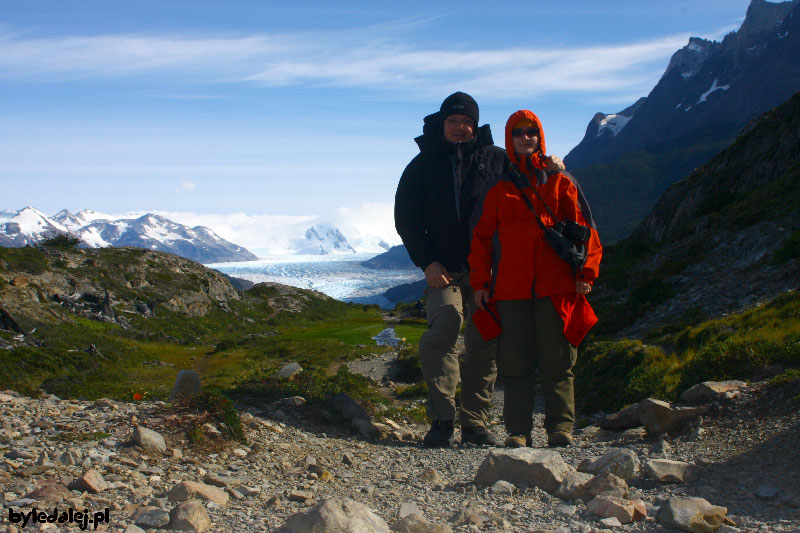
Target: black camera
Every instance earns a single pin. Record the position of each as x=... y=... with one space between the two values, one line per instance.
x=573 y=231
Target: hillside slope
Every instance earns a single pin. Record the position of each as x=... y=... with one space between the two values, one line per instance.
x=720 y=240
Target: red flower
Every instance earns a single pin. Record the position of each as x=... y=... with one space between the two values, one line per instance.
x=137 y=396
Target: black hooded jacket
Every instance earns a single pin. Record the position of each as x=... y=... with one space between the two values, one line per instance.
x=438 y=191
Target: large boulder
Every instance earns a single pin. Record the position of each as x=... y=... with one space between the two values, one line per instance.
x=190 y=516
x=149 y=439
x=623 y=510
x=336 y=515
x=661 y=417
x=524 y=467
x=187 y=384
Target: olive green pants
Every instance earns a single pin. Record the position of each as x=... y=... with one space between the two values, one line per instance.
x=447 y=309
x=533 y=336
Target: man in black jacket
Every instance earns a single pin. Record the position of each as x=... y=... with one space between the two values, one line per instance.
x=433 y=206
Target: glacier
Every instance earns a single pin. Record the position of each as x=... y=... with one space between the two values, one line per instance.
x=339 y=276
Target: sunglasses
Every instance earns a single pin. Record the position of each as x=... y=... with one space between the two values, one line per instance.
x=528 y=132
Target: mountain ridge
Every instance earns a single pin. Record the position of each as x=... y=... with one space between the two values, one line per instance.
x=706 y=95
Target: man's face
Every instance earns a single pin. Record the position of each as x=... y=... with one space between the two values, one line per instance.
x=458 y=128
x=526 y=141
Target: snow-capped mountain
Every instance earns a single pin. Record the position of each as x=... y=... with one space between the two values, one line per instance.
x=708 y=92
x=322 y=239
x=27 y=226
x=96 y=230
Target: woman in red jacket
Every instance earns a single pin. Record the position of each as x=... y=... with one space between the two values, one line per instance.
x=540 y=297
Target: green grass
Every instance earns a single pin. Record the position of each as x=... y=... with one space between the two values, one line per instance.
x=614 y=373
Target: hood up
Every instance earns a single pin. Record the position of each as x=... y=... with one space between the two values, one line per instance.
x=523 y=163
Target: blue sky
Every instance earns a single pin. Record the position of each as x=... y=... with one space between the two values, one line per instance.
x=298 y=108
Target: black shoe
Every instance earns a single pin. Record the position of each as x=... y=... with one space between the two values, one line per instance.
x=440 y=435
x=478 y=436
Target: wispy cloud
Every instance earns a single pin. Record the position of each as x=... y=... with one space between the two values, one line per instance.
x=336 y=60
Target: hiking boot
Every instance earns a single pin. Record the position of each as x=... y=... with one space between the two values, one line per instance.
x=479 y=436
x=440 y=435
x=518 y=441
x=559 y=439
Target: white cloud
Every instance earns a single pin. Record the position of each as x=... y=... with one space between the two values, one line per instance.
x=336 y=59
x=363 y=225
x=186 y=186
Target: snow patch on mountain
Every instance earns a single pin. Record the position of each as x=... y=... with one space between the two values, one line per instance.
x=714 y=87
x=612 y=123
x=27 y=226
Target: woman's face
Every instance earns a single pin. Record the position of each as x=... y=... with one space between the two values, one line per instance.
x=526 y=140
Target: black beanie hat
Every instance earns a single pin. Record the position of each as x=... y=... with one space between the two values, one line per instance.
x=460 y=104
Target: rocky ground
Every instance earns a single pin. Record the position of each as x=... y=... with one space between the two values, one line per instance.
x=742 y=455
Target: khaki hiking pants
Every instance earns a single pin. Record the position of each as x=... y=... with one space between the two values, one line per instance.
x=533 y=336
x=447 y=308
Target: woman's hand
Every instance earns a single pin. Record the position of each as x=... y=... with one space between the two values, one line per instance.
x=581 y=287
x=554 y=163
x=481 y=298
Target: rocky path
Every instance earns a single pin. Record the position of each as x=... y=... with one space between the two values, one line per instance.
x=742 y=455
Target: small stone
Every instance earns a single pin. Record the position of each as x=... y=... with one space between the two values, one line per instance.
x=133 y=529
x=348 y=459
x=50 y=492
x=407 y=508
x=503 y=487
x=431 y=476
x=611 y=522
x=153 y=518
x=190 y=516
x=300 y=495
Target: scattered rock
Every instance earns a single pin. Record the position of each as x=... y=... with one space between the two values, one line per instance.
x=336 y=514
x=605 y=484
x=149 y=439
x=692 y=514
x=610 y=506
x=621 y=462
x=187 y=490
x=153 y=518
x=189 y=516
x=50 y=492
x=668 y=471
x=91 y=481
x=524 y=467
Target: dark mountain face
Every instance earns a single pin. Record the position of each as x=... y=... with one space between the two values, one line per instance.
x=708 y=92
x=725 y=238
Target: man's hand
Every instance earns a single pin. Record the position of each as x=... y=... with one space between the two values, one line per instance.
x=581 y=287
x=437 y=275
x=481 y=298
x=554 y=163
